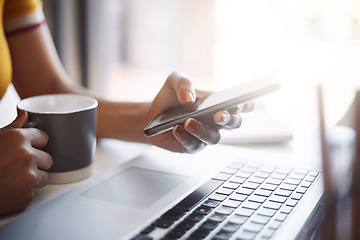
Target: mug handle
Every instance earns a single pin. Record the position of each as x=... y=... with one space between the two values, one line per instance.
x=35 y=123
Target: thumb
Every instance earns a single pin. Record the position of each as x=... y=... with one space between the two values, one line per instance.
x=20 y=120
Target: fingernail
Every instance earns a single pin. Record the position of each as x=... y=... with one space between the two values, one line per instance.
x=224 y=118
x=192 y=126
x=21 y=113
x=187 y=97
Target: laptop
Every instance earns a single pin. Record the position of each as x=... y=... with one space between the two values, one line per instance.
x=222 y=192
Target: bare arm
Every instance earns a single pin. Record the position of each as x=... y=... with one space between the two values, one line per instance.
x=38 y=70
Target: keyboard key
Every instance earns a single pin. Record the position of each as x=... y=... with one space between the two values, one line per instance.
x=274 y=225
x=283 y=170
x=300 y=171
x=148 y=229
x=243 y=174
x=244 y=212
x=231 y=227
x=253 y=227
x=291 y=202
x=292 y=181
x=258 y=199
x=286 y=186
x=229 y=170
x=163 y=223
x=272 y=205
x=217 y=217
x=263 y=192
x=211 y=203
x=270 y=187
x=224 y=191
x=297 y=176
x=239 y=220
x=245 y=191
x=195 y=217
x=224 y=210
x=280 y=217
x=141 y=237
x=248 y=169
x=203 y=210
x=222 y=176
x=236 y=179
x=286 y=209
x=262 y=174
x=250 y=185
x=296 y=196
x=222 y=235
x=278 y=199
x=267 y=233
x=198 y=195
x=301 y=190
x=251 y=205
x=201 y=232
x=238 y=197
x=255 y=179
x=283 y=192
x=313 y=173
x=186 y=224
x=210 y=224
x=306 y=184
x=231 y=203
x=266 y=212
x=173 y=214
x=280 y=176
x=260 y=219
x=267 y=168
x=176 y=233
x=231 y=185
x=273 y=181
x=245 y=235
x=217 y=197
x=309 y=178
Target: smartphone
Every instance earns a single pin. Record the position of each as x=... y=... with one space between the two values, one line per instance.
x=213 y=103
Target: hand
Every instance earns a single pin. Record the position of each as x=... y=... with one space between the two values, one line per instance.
x=22 y=164
x=196 y=133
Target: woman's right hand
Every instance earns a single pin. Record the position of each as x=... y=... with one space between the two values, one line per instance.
x=23 y=164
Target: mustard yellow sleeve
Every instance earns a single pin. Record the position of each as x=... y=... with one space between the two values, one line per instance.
x=17 y=8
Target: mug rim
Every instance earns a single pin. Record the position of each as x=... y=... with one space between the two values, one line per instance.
x=23 y=104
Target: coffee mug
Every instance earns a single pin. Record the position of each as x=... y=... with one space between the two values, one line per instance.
x=70 y=123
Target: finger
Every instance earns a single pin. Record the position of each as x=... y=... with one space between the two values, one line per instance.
x=41 y=178
x=20 y=120
x=38 y=139
x=44 y=160
x=204 y=133
x=190 y=143
x=227 y=120
x=246 y=107
x=183 y=88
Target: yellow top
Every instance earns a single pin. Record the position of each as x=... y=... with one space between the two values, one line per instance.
x=10 y=10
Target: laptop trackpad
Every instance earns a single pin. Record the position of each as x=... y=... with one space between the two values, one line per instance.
x=135 y=187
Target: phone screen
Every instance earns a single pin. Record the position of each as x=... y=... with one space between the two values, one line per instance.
x=214 y=102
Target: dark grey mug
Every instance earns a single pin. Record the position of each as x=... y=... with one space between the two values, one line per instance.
x=70 y=123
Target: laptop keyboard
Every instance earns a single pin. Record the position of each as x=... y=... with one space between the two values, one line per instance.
x=243 y=201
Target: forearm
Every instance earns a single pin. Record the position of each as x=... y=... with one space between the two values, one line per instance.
x=37 y=70
x=124 y=121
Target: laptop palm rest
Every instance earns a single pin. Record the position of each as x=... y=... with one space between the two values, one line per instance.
x=135 y=187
